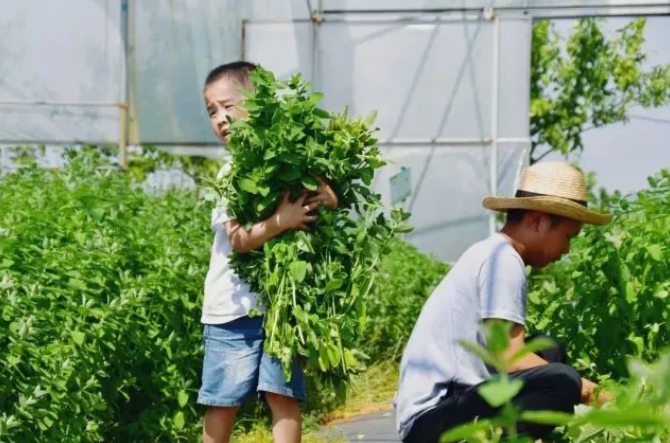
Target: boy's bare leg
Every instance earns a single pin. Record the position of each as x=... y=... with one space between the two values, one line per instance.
x=286 y=418
x=218 y=424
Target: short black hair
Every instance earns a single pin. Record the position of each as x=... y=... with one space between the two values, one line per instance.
x=239 y=72
x=515 y=216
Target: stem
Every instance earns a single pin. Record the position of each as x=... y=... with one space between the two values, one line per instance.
x=342 y=358
x=295 y=303
x=280 y=293
x=535 y=160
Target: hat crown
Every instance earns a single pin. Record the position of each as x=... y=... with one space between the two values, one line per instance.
x=555 y=179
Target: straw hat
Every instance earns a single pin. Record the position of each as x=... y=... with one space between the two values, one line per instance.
x=554 y=188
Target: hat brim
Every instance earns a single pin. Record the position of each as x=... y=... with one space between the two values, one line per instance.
x=549 y=205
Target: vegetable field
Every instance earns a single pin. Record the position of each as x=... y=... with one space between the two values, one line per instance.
x=101 y=291
x=101 y=295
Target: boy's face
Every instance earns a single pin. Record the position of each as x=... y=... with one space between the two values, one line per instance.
x=223 y=99
x=549 y=240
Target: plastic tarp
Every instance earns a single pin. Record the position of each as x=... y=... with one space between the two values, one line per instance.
x=428 y=81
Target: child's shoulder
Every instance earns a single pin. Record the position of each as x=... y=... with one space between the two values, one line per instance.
x=493 y=249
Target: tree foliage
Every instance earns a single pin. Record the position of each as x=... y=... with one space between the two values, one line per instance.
x=588 y=80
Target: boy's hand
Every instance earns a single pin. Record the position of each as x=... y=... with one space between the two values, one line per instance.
x=326 y=196
x=295 y=215
x=588 y=391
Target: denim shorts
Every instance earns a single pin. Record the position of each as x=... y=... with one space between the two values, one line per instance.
x=235 y=366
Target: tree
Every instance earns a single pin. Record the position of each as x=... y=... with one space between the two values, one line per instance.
x=588 y=80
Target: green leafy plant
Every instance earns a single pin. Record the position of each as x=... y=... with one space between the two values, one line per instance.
x=405 y=281
x=608 y=298
x=313 y=283
x=100 y=299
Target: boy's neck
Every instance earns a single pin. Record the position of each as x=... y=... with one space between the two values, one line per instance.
x=516 y=238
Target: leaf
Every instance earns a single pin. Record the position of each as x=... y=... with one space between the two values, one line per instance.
x=334 y=284
x=179 y=420
x=303 y=243
x=290 y=175
x=316 y=97
x=370 y=119
x=78 y=337
x=639 y=344
x=587 y=432
x=366 y=176
x=622 y=418
x=48 y=422
x=501 y=390
x=654 y=252
x=547 y=417
x=498 y=336
x=310 y=183
x=266 y=202
x=323 y=358
x=480 y=351
x=404 y=228
x=248 y=185
x=298 y=270
x=182 y=398
x=463 y=432
x=263 y=190
x=536 y=345
x=76 y=283
x=321 y=113
x=631 y=293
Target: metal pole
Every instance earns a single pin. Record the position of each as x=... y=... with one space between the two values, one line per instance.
x=315 y=54
x=244 y=39
x=494 y=116
x=123 y=112
x=48 y=103
x=452 y=141
x=547 y=11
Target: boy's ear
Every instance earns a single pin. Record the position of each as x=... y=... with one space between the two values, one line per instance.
x=533 y=219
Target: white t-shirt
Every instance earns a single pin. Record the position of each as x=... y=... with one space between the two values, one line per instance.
x=488 y=281
x=227 y=298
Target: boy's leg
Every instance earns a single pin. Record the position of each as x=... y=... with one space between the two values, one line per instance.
x=218 y=424
x=286 y=418
x=552 y=387
x=555 y=387
x=555 y=354
x=283 y=398
x=230 y=373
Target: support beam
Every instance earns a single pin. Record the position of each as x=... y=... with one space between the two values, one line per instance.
x=536 y=8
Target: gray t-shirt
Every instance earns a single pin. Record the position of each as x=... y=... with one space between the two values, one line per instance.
x=488 y=281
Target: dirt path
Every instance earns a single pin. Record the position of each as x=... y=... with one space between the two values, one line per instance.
x=377 y=427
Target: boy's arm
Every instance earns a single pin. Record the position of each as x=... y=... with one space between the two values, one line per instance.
x=517 y=342
x=289 y=215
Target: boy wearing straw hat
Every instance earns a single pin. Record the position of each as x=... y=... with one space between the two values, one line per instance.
x=439 y=379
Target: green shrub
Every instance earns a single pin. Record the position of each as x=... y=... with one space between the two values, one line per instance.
x=406 y=280
x=100 y=298
x=100 y=301
x=608 y=298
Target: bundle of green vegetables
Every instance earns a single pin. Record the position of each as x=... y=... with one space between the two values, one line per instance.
x=312 y=283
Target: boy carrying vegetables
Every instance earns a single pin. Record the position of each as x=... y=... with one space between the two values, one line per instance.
x=235 y=365
x=439 y=378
